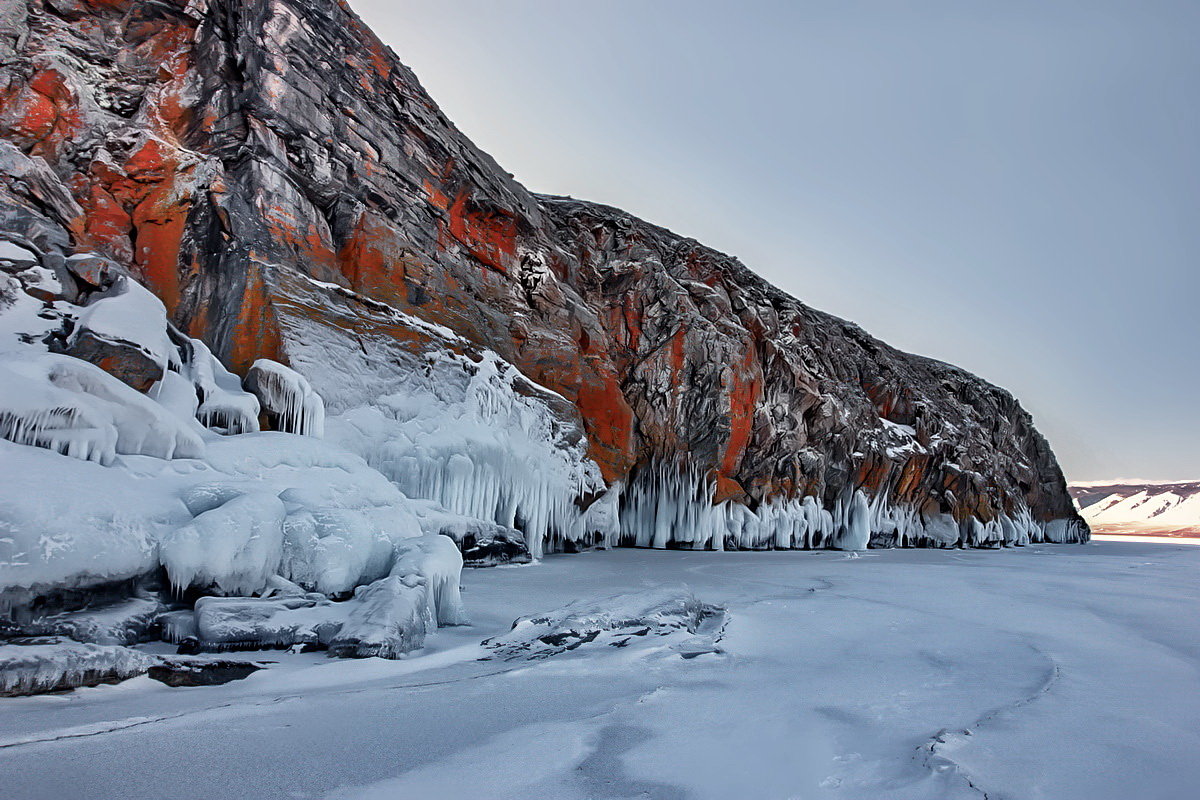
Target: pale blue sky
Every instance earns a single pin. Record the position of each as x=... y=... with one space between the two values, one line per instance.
x=1011 y=186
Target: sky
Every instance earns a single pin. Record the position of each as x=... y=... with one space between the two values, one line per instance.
x=1013 y=187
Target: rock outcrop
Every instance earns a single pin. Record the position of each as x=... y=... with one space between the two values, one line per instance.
x=260 y=163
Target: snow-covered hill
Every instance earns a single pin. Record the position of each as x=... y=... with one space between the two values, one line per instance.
x=1143 y=507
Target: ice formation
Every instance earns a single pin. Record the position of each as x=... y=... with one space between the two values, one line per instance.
x=616 y=621
x=490 y=454
x=469 y=432
x=59 y=664
x=673 y=507
x=386 y=617
x=223 y=405
x=288 y=397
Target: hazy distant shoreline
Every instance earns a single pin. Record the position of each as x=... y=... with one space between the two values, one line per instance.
x=1169 y=537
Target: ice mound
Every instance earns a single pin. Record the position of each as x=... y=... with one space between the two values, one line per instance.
x=56 y=664
x=235 y=547
x=386 y=618
x=71 y=524
x=693 y=626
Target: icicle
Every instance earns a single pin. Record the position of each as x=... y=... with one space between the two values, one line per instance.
x=223 y=405
x=288 y=397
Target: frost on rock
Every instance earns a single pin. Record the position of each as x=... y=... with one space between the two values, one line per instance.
x=694 y=627
x=287 y=397
x=52 y=664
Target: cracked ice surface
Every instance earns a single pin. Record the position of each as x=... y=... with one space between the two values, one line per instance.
x=1065 y=673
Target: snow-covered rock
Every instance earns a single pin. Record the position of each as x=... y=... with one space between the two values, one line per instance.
x=122 y=623
x=287 y=397
x=55 y=664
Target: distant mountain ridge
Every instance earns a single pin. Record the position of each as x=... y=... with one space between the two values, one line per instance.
x=1133 y=506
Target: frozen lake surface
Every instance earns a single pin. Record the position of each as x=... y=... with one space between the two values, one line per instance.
x=1053 y=672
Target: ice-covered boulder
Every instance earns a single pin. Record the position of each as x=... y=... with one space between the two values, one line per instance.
x=55 y=664
x=123 y=623
x=387 y=619
x=251 y=623
x=234 y=548
x=287 y=398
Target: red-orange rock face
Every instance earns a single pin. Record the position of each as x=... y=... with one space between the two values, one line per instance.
x=213 y=146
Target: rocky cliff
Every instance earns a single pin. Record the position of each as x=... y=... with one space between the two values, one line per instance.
x=282 y=183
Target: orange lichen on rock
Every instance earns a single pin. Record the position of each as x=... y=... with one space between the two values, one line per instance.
x=609 y=422
x=746 y=385
x=158 y=187
x=106 y=223
x=42 y=115
x=489 y=236
x=725 y=488
x=256 y=333
x=372 y=259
